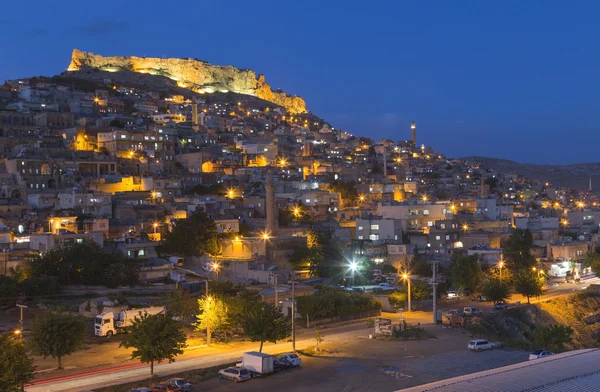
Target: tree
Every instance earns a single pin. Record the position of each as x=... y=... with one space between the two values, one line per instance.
x=592 y=260
x=466 y=272
x=9 y=289
x=57 y=335
x=494 y=291
x=193 y=236
x=318 y=338
x=155 y=338
x=552 y=337
x=528 y=284
x=517 y=250
x=347 y=191
x=15 y=362
x=419 y=290
x=398 y=299
x=181 y=303
x=264 y=322
x=212 y=313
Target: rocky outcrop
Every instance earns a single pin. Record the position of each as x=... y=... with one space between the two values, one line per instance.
x=196 y=75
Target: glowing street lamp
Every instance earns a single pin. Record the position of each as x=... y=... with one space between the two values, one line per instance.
x=580 y=204
x=362 y=198
x=353 y=268
x=465 y=227
x=406 y=278
x=215 y=268
x=564 y=222
x=424 y=198
x=230 y=193
x=155 y=225
x=282 y=162
x=500 y=265
x=265 y=236
x=296 y=211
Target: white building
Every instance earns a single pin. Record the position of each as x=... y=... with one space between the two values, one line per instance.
x=376 y=229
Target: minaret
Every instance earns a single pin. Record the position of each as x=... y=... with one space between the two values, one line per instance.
x=194 y=111
x=413 y=131
x=590 y=184
x=270 y=207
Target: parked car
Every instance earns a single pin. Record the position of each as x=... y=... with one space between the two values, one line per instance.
x=452 y=295
x=500 y=306
x=293 y=358
x=377 y=280
x=391 y=280
x=479 y=298
x=141 y=389
x=480 y=345
x=539 y=354
x=471 y=311
x=236 y=374
x=454 y=312
x=385 y=286
x=180 y=382
x=163 y=386
x=281 y=364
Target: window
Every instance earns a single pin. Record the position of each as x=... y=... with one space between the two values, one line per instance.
x=447 y=237
x=425 y=212
x=308 y=200
x=80 y=240
x=443 y=225
x=123 y=136
x=374 y=237
x=437 y=238
x=360 y=237
x=360 y=228
x=430 y=223
x=374 y=227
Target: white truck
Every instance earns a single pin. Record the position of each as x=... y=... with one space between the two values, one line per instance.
x=258 y=363
x=107 y=324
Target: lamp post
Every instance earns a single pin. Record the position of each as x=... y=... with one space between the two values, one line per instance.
x=216 y=267
x=500 y=265
x=155 y=225
x=21 y=318
x=293 y=310
x=406 y=277
x=353 y=268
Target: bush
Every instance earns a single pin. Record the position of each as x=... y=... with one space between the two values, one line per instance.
x=331 y=302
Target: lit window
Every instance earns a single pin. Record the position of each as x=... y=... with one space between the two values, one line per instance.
x=374 y=227
x=425 y=212
x=360 y=227
x=360 y=237
x=437 y=237
x=374 y=237
x=447 y=237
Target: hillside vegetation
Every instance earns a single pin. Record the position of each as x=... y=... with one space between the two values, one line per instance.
x=516 y=327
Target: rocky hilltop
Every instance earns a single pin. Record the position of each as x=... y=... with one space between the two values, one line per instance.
x=195 y=75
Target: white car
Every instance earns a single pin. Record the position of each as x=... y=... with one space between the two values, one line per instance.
x=236 y=374
x=471 y=311
x=452 y=294
x=385 y=286
x=181 y=383
x=293 y=358
x=539 y=354
x=480 y=345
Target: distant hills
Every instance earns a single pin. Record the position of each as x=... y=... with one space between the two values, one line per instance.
x=574 y=176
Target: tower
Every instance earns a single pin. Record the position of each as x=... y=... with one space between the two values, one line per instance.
x=270 y=207
x=413 y=131
x=194 y=111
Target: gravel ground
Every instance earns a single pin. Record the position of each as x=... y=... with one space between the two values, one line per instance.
x=377 y=365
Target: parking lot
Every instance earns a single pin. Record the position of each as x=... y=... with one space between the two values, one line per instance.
x=363 y=364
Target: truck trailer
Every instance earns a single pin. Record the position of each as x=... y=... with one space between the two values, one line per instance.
x=258 y=363
x=107 y=324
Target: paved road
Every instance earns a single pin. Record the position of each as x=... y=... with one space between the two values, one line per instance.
x=135 y=372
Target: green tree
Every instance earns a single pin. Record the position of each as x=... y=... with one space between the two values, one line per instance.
x=57 y=335
x=347 y=191
x=181 y=304
x=15 y=362
x=9 y=290
x=494 y=291
x=212 y=312
x=155 y=338
x=552 y=337
x=517 y=250
x=592 y=260
x=419 y=290
x=193 y=236
x=318 y=338
x=528 y=284
x=264 y=322
x=398 y=299
x=466 y=272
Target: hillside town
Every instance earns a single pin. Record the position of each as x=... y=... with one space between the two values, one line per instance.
x=116 y=196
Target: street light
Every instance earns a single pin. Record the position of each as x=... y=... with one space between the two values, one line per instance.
x=424 y=198
x=500 y=265
x=208 y=335
x=362 y=198
x=465 y=227
x=406 y=278
x=155 y=225
x=265 y=235
x=296 y=212
x=353 y=267
x=216 y=267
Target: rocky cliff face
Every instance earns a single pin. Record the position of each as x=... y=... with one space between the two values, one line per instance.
x=196 y=75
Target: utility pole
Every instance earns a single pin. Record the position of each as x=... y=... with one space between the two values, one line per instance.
x=276 y=298
x=293 y=310
x=434 y=284
x=208 y=335
x=409 y=307
x=21 y=317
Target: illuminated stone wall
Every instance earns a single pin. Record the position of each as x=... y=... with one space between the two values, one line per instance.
x=196 y=75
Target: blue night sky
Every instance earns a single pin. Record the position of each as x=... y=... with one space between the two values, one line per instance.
x=506 y=79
